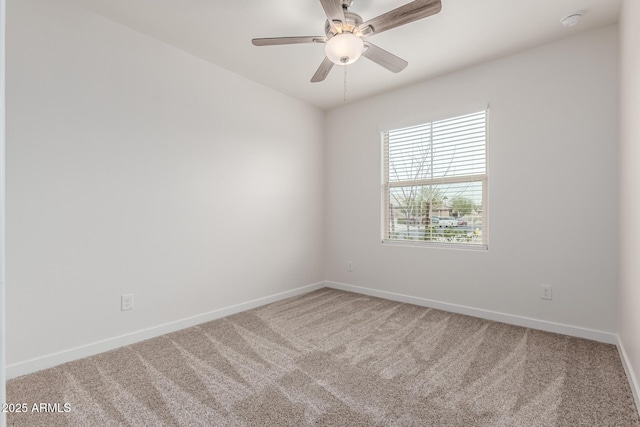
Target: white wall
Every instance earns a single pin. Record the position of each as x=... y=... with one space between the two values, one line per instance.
x=553 y=187
x=3 y=342
x=629 y=292
x=134 y=167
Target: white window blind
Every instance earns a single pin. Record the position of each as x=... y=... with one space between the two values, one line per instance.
x=435 y=182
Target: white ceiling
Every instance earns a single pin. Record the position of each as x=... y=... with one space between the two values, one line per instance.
x=465 y=32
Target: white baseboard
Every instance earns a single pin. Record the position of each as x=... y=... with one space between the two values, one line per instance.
x=51 y=360
x=628 y=369
x=54 y=359
x=543 y=325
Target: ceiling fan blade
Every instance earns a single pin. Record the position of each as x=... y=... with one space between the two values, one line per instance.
x=384 y=58
x=333 y=10
x=410 y=12
x=323 y=71
x=273 y=41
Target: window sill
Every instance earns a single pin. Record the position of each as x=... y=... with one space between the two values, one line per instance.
x=432 y=245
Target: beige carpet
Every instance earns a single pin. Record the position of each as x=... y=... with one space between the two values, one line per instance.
x=333 y=358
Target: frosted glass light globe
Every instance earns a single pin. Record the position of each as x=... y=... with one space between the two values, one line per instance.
x=344 y=48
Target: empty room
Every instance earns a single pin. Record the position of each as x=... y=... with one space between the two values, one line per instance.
x=320 y=212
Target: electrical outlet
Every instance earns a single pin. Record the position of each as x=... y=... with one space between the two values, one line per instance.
x=349 y=266
x=545 y=292
x=126 y=302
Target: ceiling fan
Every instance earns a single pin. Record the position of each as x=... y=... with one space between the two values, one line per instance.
x=346 y=34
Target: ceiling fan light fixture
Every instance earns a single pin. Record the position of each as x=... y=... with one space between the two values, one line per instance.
x=344 y=49
x=344 y=33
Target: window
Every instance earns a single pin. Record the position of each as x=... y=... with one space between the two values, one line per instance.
x=435 y=182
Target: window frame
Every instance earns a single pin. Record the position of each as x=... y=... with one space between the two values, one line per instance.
x=387 y=185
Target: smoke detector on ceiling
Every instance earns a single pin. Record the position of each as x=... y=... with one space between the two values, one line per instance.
x=571 y=20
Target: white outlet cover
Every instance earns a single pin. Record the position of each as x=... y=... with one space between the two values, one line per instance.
x=126 y=302
x=546 y=292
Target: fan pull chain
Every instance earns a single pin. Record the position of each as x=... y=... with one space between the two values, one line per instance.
x=344 y=99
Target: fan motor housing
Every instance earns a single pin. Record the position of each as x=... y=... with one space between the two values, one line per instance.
x=353 y=22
